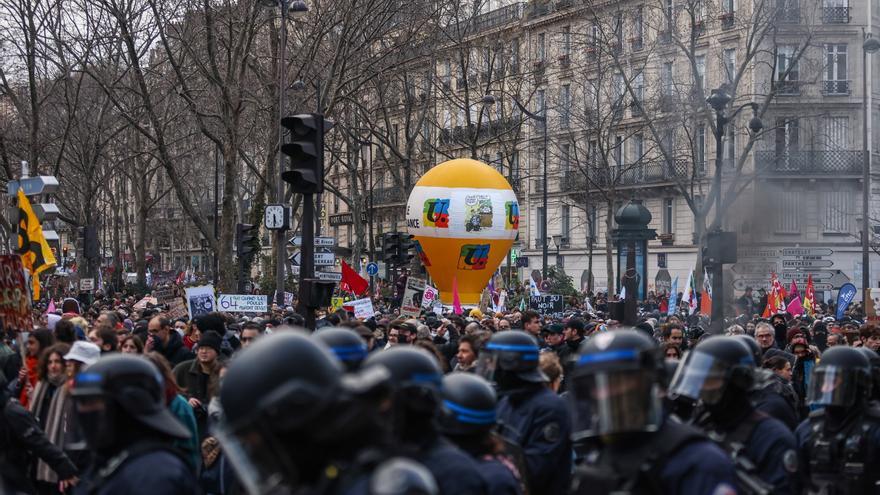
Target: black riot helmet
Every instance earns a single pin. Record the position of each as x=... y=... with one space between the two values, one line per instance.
x=347 y=345
x=284 y=390
x=401 y=476
x=510 y=359
x=415 y=376
x=118 y=393
x=714 y=367
x=468 y=405
x=841 y=378
x=874 y=360
x=753 y=347
x=615 y=385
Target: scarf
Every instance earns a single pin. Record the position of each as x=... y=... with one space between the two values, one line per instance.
x=38 y=396
x=30 y=363
x=57 y=421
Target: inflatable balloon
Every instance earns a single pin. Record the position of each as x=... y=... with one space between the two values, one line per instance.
x=464 y=216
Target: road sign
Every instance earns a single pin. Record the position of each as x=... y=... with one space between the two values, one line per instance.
x=755 y=283
x=321 y=259
x=817 y=275
x=44 y=184
x=747 y=268
x=319 y=241
x=759 y=253
x=372 y=269
x=331 y=276
x=806 y=263
x=807 y=252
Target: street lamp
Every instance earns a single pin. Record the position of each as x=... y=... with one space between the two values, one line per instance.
x=558 y=241
x=871 y=45
x=490 y=100
x=718 y=100
x=295 y=9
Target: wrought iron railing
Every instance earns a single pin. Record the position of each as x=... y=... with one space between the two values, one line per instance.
x=836 y=87
x=835 y=15
x=788 y=15
x=643 y=172
x=387 y=195
x=494 y=18
x=845 y=162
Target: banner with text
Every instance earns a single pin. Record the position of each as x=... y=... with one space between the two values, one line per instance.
x=548 y=305
x=242 y=303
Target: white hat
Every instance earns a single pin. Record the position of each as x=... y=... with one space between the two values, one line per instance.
x=52 y=320
x=84 y=352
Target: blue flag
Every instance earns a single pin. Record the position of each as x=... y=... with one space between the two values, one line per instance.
x=844 y=296
x=673 y=297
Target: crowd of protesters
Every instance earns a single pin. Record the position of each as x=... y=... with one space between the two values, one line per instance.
x=191 y=357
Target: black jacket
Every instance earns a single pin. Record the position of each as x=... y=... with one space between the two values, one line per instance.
x=21 y=443
x=174 y=351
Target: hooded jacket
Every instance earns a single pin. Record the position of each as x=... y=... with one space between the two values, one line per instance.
x=174 y=351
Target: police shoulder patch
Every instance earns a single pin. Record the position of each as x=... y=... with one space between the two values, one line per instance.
x=551 y=432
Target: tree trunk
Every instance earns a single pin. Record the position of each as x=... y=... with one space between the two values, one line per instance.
x=227 y=217
x=609 y=248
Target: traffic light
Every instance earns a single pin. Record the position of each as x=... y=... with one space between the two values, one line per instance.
x=306 y=152
x=246 y=239
x=405 y=244
x=389 y=247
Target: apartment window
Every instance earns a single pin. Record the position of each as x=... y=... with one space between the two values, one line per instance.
x=514 y=56
x=700 y=146
x=618 y=151
x=729 y=60
x=447 y=73
x=669 y=141
x=638 y=147
x=836 y=208
x=539 y=228
x=335 y=203
x=540 y=107
x=348 y=235
x=592 y=220
x=564 y=161
x=786 y=65
x=618 y=88
x=836 y=133
x=514 y=165
x=541 y=47
x=638 y=85
x=668 y=215
x=728 y=6
x=730 y=145
x=670 y=15
x=618 y=30
x=566 y=40
x=786 y=136
x=700 y=76
x=666 y=79
x=835 y=69
x=593 y=153
x=565 y=103
x=639 y=23
x=566 y=222
x=788 y=209
x=594 y=35
x=447 y=119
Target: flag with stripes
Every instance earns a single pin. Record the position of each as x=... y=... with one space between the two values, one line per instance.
x=36 y=255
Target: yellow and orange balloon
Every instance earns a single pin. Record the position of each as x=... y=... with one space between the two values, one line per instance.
x=465 y=217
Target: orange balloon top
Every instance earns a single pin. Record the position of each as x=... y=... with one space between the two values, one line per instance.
x=464 y=172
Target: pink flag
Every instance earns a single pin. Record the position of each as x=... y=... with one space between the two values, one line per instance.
x=794 y=290
x=456 y=300
x=51 y=308
x=795 y=308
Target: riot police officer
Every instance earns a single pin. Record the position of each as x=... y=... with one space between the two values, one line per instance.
x=720 y=372
x=347 y=345
x=639 y=449
x=529 y=414
x=416 y=378
x=292 y=424
x=467 y=417
x=839 y=445
x=874 y=361
x=771 y=394
x=120 y=407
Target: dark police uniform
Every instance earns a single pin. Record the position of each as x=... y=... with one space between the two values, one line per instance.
x=454 y=470
x=840 y=462
x=133 y=472
x=538 y=420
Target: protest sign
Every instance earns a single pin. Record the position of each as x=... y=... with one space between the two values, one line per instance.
x=548 y=305
x=412 y=297
x=242 y=303
x=362 y=308
x=431 y=294
x=15 y=305
x=200 y=300
x=163 y=294
x=176 y=308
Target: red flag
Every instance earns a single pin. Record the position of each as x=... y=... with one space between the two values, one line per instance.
x=356 y=284
x=706 y=297
x=809 y=296
x=793 y=292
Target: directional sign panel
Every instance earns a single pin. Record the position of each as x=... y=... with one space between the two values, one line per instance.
x=331 y=276
x=744 y=268
x=319 y=241
x=820 y=263
x=44 y=184
x=325 y=259
x=787 y=252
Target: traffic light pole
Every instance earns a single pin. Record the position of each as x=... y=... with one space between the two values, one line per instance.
x=280 y=241
x=307 y=259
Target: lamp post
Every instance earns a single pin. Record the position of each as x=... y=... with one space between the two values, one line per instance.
x=295 y=8
x=718 y=100
x=490 y=100
x=870 y=45
x=558 y=241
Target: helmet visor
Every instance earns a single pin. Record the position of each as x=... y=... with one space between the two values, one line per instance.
x=255 y=461
x=700 y=376
x=487 y=365
x=609 y=402
x=832 y=386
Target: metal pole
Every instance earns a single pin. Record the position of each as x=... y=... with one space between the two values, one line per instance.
x=372 y=232
x=280 y=251
x=717 y=283
x=866 y=182
x=319 y=202
x=544 y=201
x=307 y=259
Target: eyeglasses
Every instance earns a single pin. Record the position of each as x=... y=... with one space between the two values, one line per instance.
x=246 y=339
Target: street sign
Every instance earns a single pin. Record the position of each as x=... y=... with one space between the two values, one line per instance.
x=807 y=252
x=44 y=184
x=759 y=253
x=806 y=263
x=345 y=219
x=321 y=259
x=319 y=241
x=755 y=283
x=86 y=284
x=331 y=276
x=746 y=268
x=817 y=275
x=372 y=269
